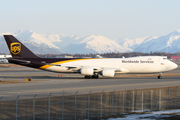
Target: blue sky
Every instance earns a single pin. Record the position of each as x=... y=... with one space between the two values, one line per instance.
x=110 y=18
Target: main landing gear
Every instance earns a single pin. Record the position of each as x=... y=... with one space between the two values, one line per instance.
x=160 y=77
x=91 y=76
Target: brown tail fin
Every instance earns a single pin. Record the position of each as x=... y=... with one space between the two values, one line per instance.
x=17 y=49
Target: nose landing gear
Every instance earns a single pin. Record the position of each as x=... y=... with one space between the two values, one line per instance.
x=160 y=77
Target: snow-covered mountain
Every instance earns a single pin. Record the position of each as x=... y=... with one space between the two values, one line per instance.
x=62 y=43
x=90 y=44
x=68 y=43
x=30 y=42
x=31 y=36
x=168 y=43
x=134 y=43
x=96 y=44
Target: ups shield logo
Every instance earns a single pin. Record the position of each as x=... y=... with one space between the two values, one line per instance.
x=15 y=48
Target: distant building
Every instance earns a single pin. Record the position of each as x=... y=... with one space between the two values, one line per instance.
x=64 y=56
x=3 y=58
x=175 y=57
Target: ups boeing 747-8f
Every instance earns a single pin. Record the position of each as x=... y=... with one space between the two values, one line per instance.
x=90 y=67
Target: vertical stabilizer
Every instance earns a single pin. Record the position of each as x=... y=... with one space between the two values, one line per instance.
x=17 y=49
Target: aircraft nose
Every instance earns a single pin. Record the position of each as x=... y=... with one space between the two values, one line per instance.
x=174 y=65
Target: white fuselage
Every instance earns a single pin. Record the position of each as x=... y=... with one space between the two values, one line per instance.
x=145 y=64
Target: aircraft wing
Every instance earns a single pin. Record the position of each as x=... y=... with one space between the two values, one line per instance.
x=96 y=69
x=77 y=67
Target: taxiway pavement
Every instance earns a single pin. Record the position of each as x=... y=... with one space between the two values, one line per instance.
x=43 y=83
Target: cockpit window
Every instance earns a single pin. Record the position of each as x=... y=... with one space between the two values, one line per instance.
x=164 y=58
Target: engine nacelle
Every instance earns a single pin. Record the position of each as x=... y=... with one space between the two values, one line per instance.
x=87 y=71
x=108 y=72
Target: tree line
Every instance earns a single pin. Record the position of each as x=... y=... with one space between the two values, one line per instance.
x=114 y=55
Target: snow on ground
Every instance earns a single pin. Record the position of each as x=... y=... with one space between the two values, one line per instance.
x=149 y=115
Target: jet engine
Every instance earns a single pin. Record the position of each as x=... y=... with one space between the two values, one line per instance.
x=108 y=72
x=87 y=71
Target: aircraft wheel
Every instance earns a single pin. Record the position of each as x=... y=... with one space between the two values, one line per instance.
x=87 y=77
x=93 y=76
x=97 y=76
x=159 y=77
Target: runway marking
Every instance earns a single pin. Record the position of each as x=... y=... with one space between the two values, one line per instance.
x=84 y=88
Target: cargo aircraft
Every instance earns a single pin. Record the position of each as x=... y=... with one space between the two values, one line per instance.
x=90 y=67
